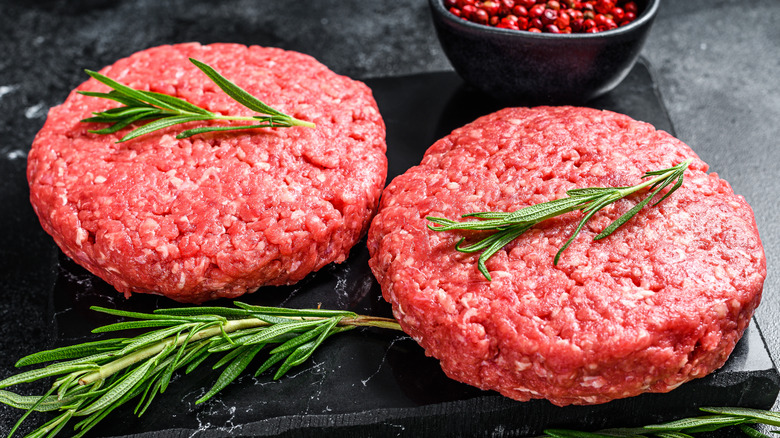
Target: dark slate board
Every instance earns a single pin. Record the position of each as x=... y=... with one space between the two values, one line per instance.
x=371 y=382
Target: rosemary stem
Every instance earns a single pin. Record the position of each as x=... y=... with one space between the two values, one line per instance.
x=291 y=120
x=118 y=365
x=371 y=321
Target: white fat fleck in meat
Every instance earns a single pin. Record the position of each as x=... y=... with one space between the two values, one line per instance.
x=593 y=381
x=81 y=236
x=182 y=280
x=721 y=310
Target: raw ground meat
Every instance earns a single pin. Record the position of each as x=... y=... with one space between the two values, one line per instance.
x=661 y=301
x=219 y=214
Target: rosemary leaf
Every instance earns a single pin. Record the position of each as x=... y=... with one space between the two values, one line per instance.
x=120 y=389
x=629 y=214
x=128 y=325
x=236 y=367
x=30 y=410
x=279 y=329
x=50 y=403
x=489 y=224
x=565 y=433
x=272 y=319
x=154 y=385
x=237 y=338
x=505 y=237
x=751 y=432
x=178 y=104
x=599 y=204
x=300 y=355
x=162 y=124
x=118 y=125
x=234 y=91
x=169 y=365
x=236 y=351
x=281 y=311
x=137 y=95
x=304 y=351
x=625 y=432
x=115 y=96
x=202 y=130
x=766 y=417
x=138 y=315
x=151 y=387
x=672 y=435
x=117 y=114
x=180 y=359
x=49 y=371
x=194 y=360
x=271 y=361
x=148 y=339
x=69 y=352
x=297 y=355
x=686 y=427
x=322 y=329
x=65 y=383
x=91 y=421
x=56 y=424
x=545 y=210
x=225 y=312
x=706 y=423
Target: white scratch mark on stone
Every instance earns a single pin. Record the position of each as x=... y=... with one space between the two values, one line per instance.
x=36 y=111
x=215 y=409
x=381 y=362
x=399 y=428
x=16 y=154
x=5 y=89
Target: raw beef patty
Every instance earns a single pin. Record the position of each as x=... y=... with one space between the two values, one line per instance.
x=661 y=301
x=219 y=214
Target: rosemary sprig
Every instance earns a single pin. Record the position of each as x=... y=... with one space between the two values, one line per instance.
x=165 y=110
x=683 y=428
x=94 y=378
x=508 y=226
x=97 y=377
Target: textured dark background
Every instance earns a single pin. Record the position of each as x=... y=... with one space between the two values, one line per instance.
x=716 y=63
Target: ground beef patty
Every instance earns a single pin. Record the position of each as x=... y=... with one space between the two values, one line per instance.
x=219 y=214
x=661 y=301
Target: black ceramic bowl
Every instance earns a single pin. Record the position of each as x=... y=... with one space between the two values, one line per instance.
x=524 y=67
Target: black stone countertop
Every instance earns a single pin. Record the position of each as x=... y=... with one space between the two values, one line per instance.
x=716 y=64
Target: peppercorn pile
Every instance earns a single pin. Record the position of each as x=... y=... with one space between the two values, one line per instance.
x=549 y=16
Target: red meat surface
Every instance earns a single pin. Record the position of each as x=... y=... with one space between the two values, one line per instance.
x=661 y=301
x=219 y=214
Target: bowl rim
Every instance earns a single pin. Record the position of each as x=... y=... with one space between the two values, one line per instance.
x=647 y=15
